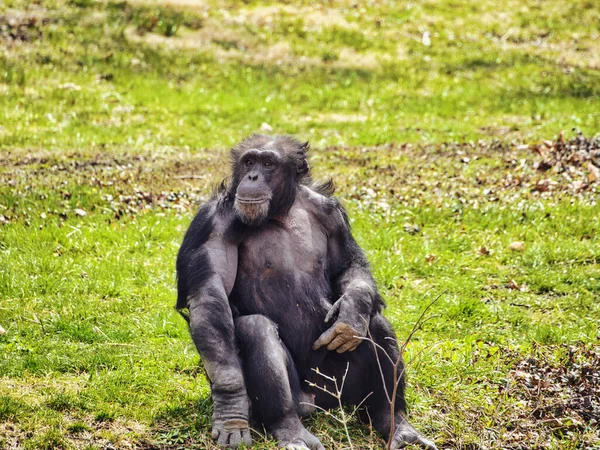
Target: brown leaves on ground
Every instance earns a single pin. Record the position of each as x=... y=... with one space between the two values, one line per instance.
x=578 y=159
x=18 y=26
x=118 y=185
x=458 y=176
x=557 y=396
x=513 y=285
x=484 y=251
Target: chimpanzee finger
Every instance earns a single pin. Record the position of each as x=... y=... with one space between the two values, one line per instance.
x=339 y=340
x=350 y=345
x=325 y=338
x=215 y=433
x=333 y=310
x=356 y=344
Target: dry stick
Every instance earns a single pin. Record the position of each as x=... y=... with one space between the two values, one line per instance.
x=375 y=345
x=418 y=324
x=421 y=351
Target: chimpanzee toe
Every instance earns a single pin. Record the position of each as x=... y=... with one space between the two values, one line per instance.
x=407 y=435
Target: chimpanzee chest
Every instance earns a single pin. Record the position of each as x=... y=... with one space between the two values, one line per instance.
x=282 y=268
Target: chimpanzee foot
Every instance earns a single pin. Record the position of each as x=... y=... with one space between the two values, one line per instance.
x=293 y=436
x=405 y=434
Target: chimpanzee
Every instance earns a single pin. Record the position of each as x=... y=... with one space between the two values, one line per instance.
x=276 y=287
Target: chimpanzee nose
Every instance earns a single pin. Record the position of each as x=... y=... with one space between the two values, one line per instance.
x=253 y=176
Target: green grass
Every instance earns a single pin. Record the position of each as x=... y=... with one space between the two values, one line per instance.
x=114 y=124
x=366 y=78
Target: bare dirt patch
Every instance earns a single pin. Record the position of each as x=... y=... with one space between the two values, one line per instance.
x=313 y=17
x=192 y=5
x=231 y=44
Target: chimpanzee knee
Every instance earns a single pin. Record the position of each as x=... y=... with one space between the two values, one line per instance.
x=254 y=330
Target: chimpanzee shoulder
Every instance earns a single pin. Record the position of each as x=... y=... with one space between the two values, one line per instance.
x=193 y=265
x=325 y=207
x=344 y=250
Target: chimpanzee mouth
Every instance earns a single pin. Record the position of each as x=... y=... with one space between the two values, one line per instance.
x=252 y=211
x=252 y=200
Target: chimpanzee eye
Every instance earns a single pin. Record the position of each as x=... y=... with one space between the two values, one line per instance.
x=249 y=163
x=268 y=164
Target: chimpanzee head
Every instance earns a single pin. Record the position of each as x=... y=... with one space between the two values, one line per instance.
x=266 y=173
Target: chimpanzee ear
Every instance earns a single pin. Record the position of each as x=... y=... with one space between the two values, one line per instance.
x=304 y=146
x=302 y=167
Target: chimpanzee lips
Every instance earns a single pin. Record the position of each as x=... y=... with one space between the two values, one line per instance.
x=252 y=200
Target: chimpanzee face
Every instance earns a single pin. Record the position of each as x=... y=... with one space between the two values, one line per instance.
x=261 y=179
x=266 y=172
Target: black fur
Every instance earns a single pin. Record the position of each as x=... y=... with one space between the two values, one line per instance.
x=193 y=266
x=258 y=294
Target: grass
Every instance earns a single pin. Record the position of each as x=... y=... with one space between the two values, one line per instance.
x=367 y=78
x=114 y=123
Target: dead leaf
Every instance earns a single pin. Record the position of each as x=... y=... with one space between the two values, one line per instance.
x=80 y=212
x=517 y=246
x=2 y=330
x=430 y=258
x=483 y=251
x=594 y=172
x=512 y=284
x=543 y=186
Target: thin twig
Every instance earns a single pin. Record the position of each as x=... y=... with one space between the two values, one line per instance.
x=338 y=395
x=395 y=365
x=420 y=321
x=339 y=392
x=379 y=362
x=378 y=346
x=328 y=413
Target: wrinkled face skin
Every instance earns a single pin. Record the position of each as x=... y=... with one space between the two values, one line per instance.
x=261 y=178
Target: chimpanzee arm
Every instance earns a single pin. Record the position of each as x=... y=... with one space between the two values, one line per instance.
x=206 y=271
x=354 y=286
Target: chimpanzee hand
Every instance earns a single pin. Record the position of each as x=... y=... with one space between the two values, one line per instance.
x=231 y=433
x=347 y=331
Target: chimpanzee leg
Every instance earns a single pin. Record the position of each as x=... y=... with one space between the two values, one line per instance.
x=378 y=404
x=364 y=384
x=272 y=382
